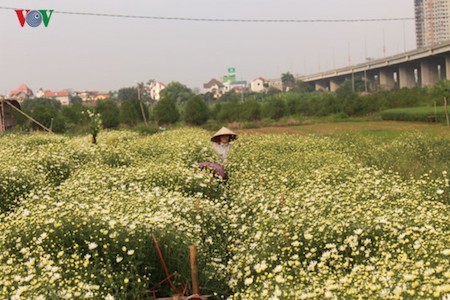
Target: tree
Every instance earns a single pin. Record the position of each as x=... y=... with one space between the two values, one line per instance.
x=76 y=100
x=165 y=112
x=126 y=94
x=208 y=97
x=230 y=96
x=131 y=112
x=30 y=104
x=288 y=81
x=196 y=111
x=302 y=87
x=72 y=114
x=177 y=92
x=49 y=117
x=110 y=113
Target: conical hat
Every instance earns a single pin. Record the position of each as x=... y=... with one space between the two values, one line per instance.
x=224 y=131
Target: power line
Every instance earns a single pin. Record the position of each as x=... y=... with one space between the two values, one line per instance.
x=228 y=20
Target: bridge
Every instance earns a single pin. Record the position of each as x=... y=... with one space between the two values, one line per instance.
x=418 y=68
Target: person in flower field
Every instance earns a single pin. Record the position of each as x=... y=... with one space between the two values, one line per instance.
x=222 y=145
x=221 y=140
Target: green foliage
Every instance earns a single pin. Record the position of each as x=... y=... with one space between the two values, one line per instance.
x=110 y=113
x=302 y=87
x=176 y=92
x=131 y=112
x=73 y=115
x=288 y=80
x=273 y=91
x=165 y=112
x=230 y=96
x=76 y=100
x=274 y=108
x=250 y=110
x=196 y=111
x=229 y=112
x=31 y=104
x=417 y=114
x=146 y=129
x=49 y=117
x=126 y=94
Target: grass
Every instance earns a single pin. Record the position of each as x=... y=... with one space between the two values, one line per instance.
x=371 y=128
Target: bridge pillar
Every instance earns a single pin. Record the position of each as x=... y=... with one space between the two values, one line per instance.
x=334 y=85
x=386 y=78
x=407 y=76
x=322 y=85
x=429 y=72
x=447 y=67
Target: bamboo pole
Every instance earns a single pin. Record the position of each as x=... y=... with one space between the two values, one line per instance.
x=194 y=269
x=29 y=117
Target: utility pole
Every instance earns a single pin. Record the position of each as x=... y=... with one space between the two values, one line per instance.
x=140 y=103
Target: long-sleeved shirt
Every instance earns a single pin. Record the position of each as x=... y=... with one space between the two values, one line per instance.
x=222 y=150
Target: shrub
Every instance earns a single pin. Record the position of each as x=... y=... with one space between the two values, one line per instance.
x=196 y=111
x=250 y=110
x=274 y=108
x=165 y=112
x=230 y=111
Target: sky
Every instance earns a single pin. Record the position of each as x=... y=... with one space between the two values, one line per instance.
x=85 y=52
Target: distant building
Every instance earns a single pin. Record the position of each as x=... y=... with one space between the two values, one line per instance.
x=102 y=96
x=155 y=89
x=63 y=97
x=86 y=96
x=214 y=87
x=21 y=93
x=238 y=86
x=259 y=85
x=432 y=22
x=275 y=83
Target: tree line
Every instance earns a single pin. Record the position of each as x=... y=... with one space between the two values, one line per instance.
x=178 y=103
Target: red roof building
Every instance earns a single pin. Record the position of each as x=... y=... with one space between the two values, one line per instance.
x=21 y=93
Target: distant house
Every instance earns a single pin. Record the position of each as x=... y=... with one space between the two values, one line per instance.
x=62 y=96
x=259 y=85
x=239 y=86
x=86 y=96
x=21 y=93
x=102 y=96
x=7 y=120
x=214 y=87
x=275 y=83
x=155 y=89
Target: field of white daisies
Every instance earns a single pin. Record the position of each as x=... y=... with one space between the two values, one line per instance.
x=301 y=217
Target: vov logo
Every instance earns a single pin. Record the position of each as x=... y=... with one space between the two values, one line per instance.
x=34 y=18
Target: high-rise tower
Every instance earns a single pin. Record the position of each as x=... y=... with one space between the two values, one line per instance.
x=432 y=22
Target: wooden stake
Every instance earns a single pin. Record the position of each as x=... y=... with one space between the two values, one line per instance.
x=194 y=269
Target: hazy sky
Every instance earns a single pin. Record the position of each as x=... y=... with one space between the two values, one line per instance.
x=84 y=52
